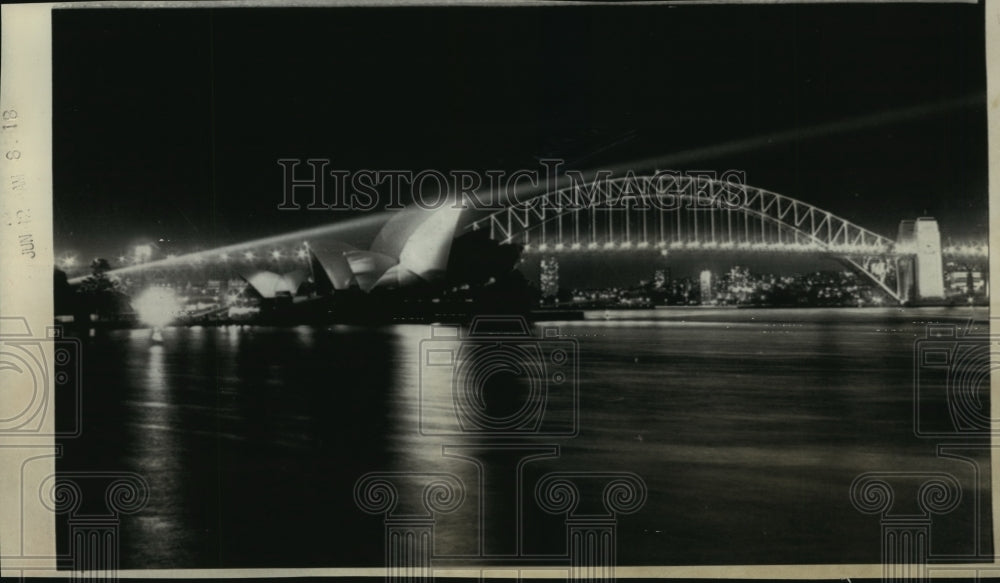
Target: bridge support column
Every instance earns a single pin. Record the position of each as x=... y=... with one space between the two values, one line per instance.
x=920 y=274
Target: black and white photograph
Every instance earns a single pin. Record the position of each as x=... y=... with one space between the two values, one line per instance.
x=562 y=290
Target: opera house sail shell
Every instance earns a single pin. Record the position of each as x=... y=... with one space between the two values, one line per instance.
x=270 y=285
x=413 y=246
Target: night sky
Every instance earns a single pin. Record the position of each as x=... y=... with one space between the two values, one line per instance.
x=169 y=123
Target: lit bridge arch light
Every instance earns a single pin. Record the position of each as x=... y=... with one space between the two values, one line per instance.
x=670 y=212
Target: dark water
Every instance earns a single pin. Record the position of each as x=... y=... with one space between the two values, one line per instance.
x=747 y=427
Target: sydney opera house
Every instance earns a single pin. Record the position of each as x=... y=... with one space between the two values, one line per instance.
x=413 y=263
x=413 y=247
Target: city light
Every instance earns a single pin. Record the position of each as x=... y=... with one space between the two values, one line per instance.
x=276 y=254
x=157 y=306
x=967 y=250
x=68 y=262
x=249 y=255
x=143 y=253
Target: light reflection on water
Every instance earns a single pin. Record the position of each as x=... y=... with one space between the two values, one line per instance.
x=747 y=426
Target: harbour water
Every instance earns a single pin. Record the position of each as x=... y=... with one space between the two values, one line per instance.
x=747 y=428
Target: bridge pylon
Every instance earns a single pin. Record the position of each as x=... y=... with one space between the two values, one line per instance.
x=920 y=267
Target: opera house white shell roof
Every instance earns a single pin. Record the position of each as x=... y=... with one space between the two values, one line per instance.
x=414 y=245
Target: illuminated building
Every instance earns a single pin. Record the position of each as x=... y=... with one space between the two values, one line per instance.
x=705 y=281
x=550 y=277
x=660 y=278
x=965 y=282
x=143 y=253
x=921 y=276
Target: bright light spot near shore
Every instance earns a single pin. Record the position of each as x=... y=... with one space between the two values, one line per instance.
x=157 y=306
x=301 y=253
x=275 y=254
x=249 y=255
x=68 y=262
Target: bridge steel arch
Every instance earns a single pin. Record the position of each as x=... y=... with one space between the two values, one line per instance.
x=683 y=212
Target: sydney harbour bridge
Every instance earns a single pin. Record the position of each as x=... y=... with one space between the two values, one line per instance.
x=664 y=213
x=695 y=213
